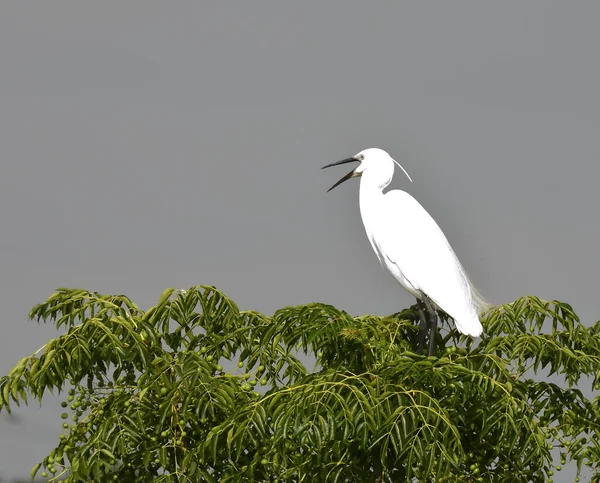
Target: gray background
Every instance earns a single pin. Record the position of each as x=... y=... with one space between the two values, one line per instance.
x=151 y=144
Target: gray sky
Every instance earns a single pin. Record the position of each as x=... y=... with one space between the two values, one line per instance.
x=149 y=144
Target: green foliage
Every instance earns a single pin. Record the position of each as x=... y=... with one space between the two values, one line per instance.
x=150 y=400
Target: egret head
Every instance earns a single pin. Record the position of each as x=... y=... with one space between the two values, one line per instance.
x=372 y=159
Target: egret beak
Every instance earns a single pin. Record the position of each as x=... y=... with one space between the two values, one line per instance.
x=345 y=178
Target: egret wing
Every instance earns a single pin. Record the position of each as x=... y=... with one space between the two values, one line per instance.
x=415 y=245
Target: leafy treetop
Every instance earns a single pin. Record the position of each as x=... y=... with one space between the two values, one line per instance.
x=151 y=401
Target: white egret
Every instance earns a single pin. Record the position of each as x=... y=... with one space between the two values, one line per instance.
x=410 y=244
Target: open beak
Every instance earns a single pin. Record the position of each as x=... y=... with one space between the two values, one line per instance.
x=345 y=178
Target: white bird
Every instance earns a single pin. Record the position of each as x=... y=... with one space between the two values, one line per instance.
x=413 y=248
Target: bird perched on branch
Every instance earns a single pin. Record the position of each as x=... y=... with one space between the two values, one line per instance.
x=421 y=259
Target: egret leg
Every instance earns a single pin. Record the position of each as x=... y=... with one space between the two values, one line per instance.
x=433 y=323
x=423 y=328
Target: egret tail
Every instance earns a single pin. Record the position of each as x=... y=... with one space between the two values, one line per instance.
x=469 y=325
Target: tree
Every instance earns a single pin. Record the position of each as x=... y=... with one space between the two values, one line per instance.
x=151 y=401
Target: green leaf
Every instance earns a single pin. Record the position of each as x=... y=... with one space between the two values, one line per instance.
x=34 y=470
